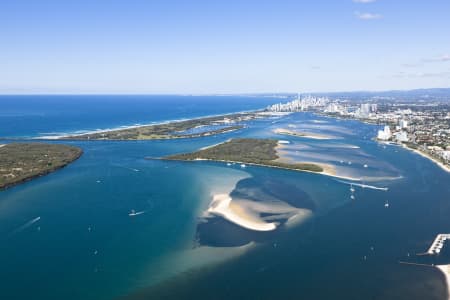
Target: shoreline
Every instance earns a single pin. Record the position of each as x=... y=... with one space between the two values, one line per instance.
x=445 y=269
x=261 y=165
x=135 y=126
x=44 y=172
x=425 y=155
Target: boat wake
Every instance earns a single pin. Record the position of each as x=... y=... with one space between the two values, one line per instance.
x=136 y=213
x=364 y=185
x=25 y=226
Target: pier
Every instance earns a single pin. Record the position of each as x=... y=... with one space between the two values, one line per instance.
x=438 y=243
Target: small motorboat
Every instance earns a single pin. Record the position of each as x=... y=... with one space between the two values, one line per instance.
x=135 y=213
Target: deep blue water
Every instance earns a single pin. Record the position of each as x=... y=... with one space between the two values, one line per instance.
x=30 y=116
x=85 y=246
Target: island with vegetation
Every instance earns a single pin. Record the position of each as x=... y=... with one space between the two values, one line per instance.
x=20 y=162
x=246 y=150
x=173 y=130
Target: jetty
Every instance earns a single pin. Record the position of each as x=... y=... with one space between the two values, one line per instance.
x=438 y=243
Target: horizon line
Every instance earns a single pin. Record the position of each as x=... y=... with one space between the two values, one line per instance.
x=216 y=94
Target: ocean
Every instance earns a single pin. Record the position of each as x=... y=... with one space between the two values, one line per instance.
x=68 y=235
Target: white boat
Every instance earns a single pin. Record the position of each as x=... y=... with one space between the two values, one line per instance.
x=386 y=204
x=352 y=189
x=243 y=165
x=228 y=164
x=352 y=197
x=365 y=166
x=135 y=213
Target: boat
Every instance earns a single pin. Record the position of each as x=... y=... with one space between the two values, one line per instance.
x=243 y=165
x=386 y=204
x=352 y=197
x=365 y=166
x=352 y=189
x=135 y=213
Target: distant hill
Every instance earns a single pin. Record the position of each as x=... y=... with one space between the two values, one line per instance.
x=437 y=94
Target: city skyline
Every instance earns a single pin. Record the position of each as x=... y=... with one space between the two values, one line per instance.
x=180 y=47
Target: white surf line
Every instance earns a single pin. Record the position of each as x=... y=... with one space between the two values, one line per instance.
x=364 y=185
x=26 y=225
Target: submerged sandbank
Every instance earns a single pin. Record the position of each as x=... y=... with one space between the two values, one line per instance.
x=304 y=134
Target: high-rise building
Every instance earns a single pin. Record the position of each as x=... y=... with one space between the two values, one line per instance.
x=403 y=124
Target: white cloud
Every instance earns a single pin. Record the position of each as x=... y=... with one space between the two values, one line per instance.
x=411 y=65
x=368 y=16
x=364 y=1
x=442 y=58
x=444 y=74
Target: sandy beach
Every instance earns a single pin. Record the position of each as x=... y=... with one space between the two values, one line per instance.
x=445 y=269
x=440 y=164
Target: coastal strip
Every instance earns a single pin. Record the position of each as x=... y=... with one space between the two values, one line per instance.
x=425 y=155
x=178 y=129
x=21 y=162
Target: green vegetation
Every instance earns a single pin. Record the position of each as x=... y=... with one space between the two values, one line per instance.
x=251 y=151
x=171 y=130
x=20 y=162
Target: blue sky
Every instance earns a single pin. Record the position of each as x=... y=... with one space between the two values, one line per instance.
x=202 y=47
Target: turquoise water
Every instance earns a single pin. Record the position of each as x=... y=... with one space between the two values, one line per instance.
x=86 y=246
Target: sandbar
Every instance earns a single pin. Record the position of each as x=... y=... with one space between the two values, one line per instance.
x=303 y=134
x=222 y=206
